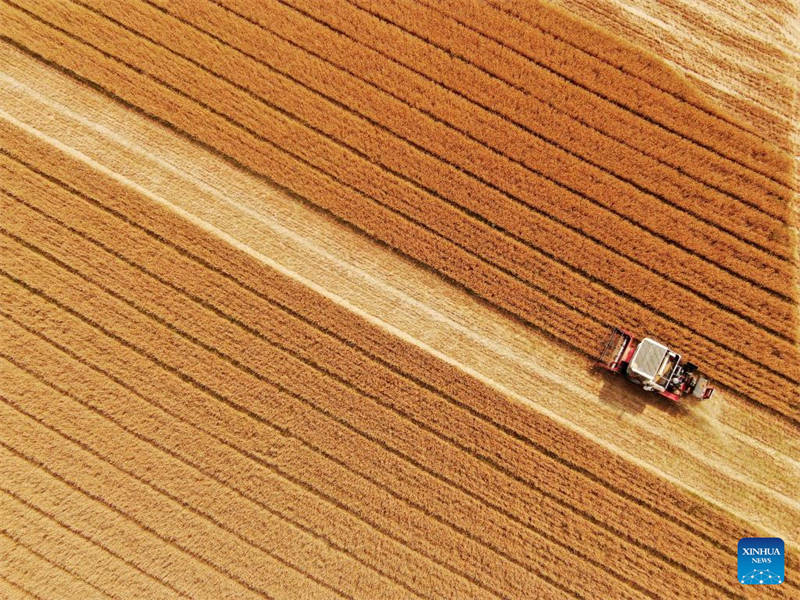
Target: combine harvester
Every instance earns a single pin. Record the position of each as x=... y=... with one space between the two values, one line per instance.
x=653 y=366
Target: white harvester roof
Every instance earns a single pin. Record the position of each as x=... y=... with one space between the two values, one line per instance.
x=649 y=362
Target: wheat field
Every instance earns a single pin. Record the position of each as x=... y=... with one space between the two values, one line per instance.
x=301 y=298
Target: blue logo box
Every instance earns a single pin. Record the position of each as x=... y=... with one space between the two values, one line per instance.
x=761 y=561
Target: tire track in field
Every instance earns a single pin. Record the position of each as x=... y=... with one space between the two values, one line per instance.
x=447 y=265
x=271 y=319
x=213 y=254
x=667 y=330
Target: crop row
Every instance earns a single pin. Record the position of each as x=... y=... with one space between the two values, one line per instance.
x=91 y=562
x=110 y=529
x=538 y=101
x=473 y=236
x=268 y=285
x=30 y=575
x=233 y=443
x=371 y=217
x=462 y=510
x=425 y=448
x=307 y=181
x=695 y=92
x=131 y=437
x=449 y=180
x=245 y=451
x=580 y=101
x=258 y=277
x=73 y=457
x=565 y=180
x=707 y=129
x=432 y=409
x=365 y=499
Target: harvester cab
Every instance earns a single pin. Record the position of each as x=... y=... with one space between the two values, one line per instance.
x=653 y=366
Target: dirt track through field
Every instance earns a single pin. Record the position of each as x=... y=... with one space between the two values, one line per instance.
x=199 y=398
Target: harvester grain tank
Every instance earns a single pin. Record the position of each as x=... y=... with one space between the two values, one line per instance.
x=653 y=366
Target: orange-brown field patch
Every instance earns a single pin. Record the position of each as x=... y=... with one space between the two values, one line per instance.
x=181 y=419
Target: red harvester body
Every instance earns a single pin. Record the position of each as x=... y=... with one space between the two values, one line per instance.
x=653 y=366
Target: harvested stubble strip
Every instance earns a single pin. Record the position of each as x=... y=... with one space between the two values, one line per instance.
x=90 y=561
x=369 y=501
x=33 y=573
x=407 y=360
x=426 y=490
x=261 y=157
x=366 y=375
x=393 y=190
x=512 y=460
x=702 y=163
x=491 y=204
x=517 y=298
x=537 y=111
x=503 y=175
x=775 y=354
x=75 y=462
x=525 y=27
x=223 y=442
x=352 y=207
x=306 y=564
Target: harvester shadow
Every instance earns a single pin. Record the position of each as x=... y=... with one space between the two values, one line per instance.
x=621 y=394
